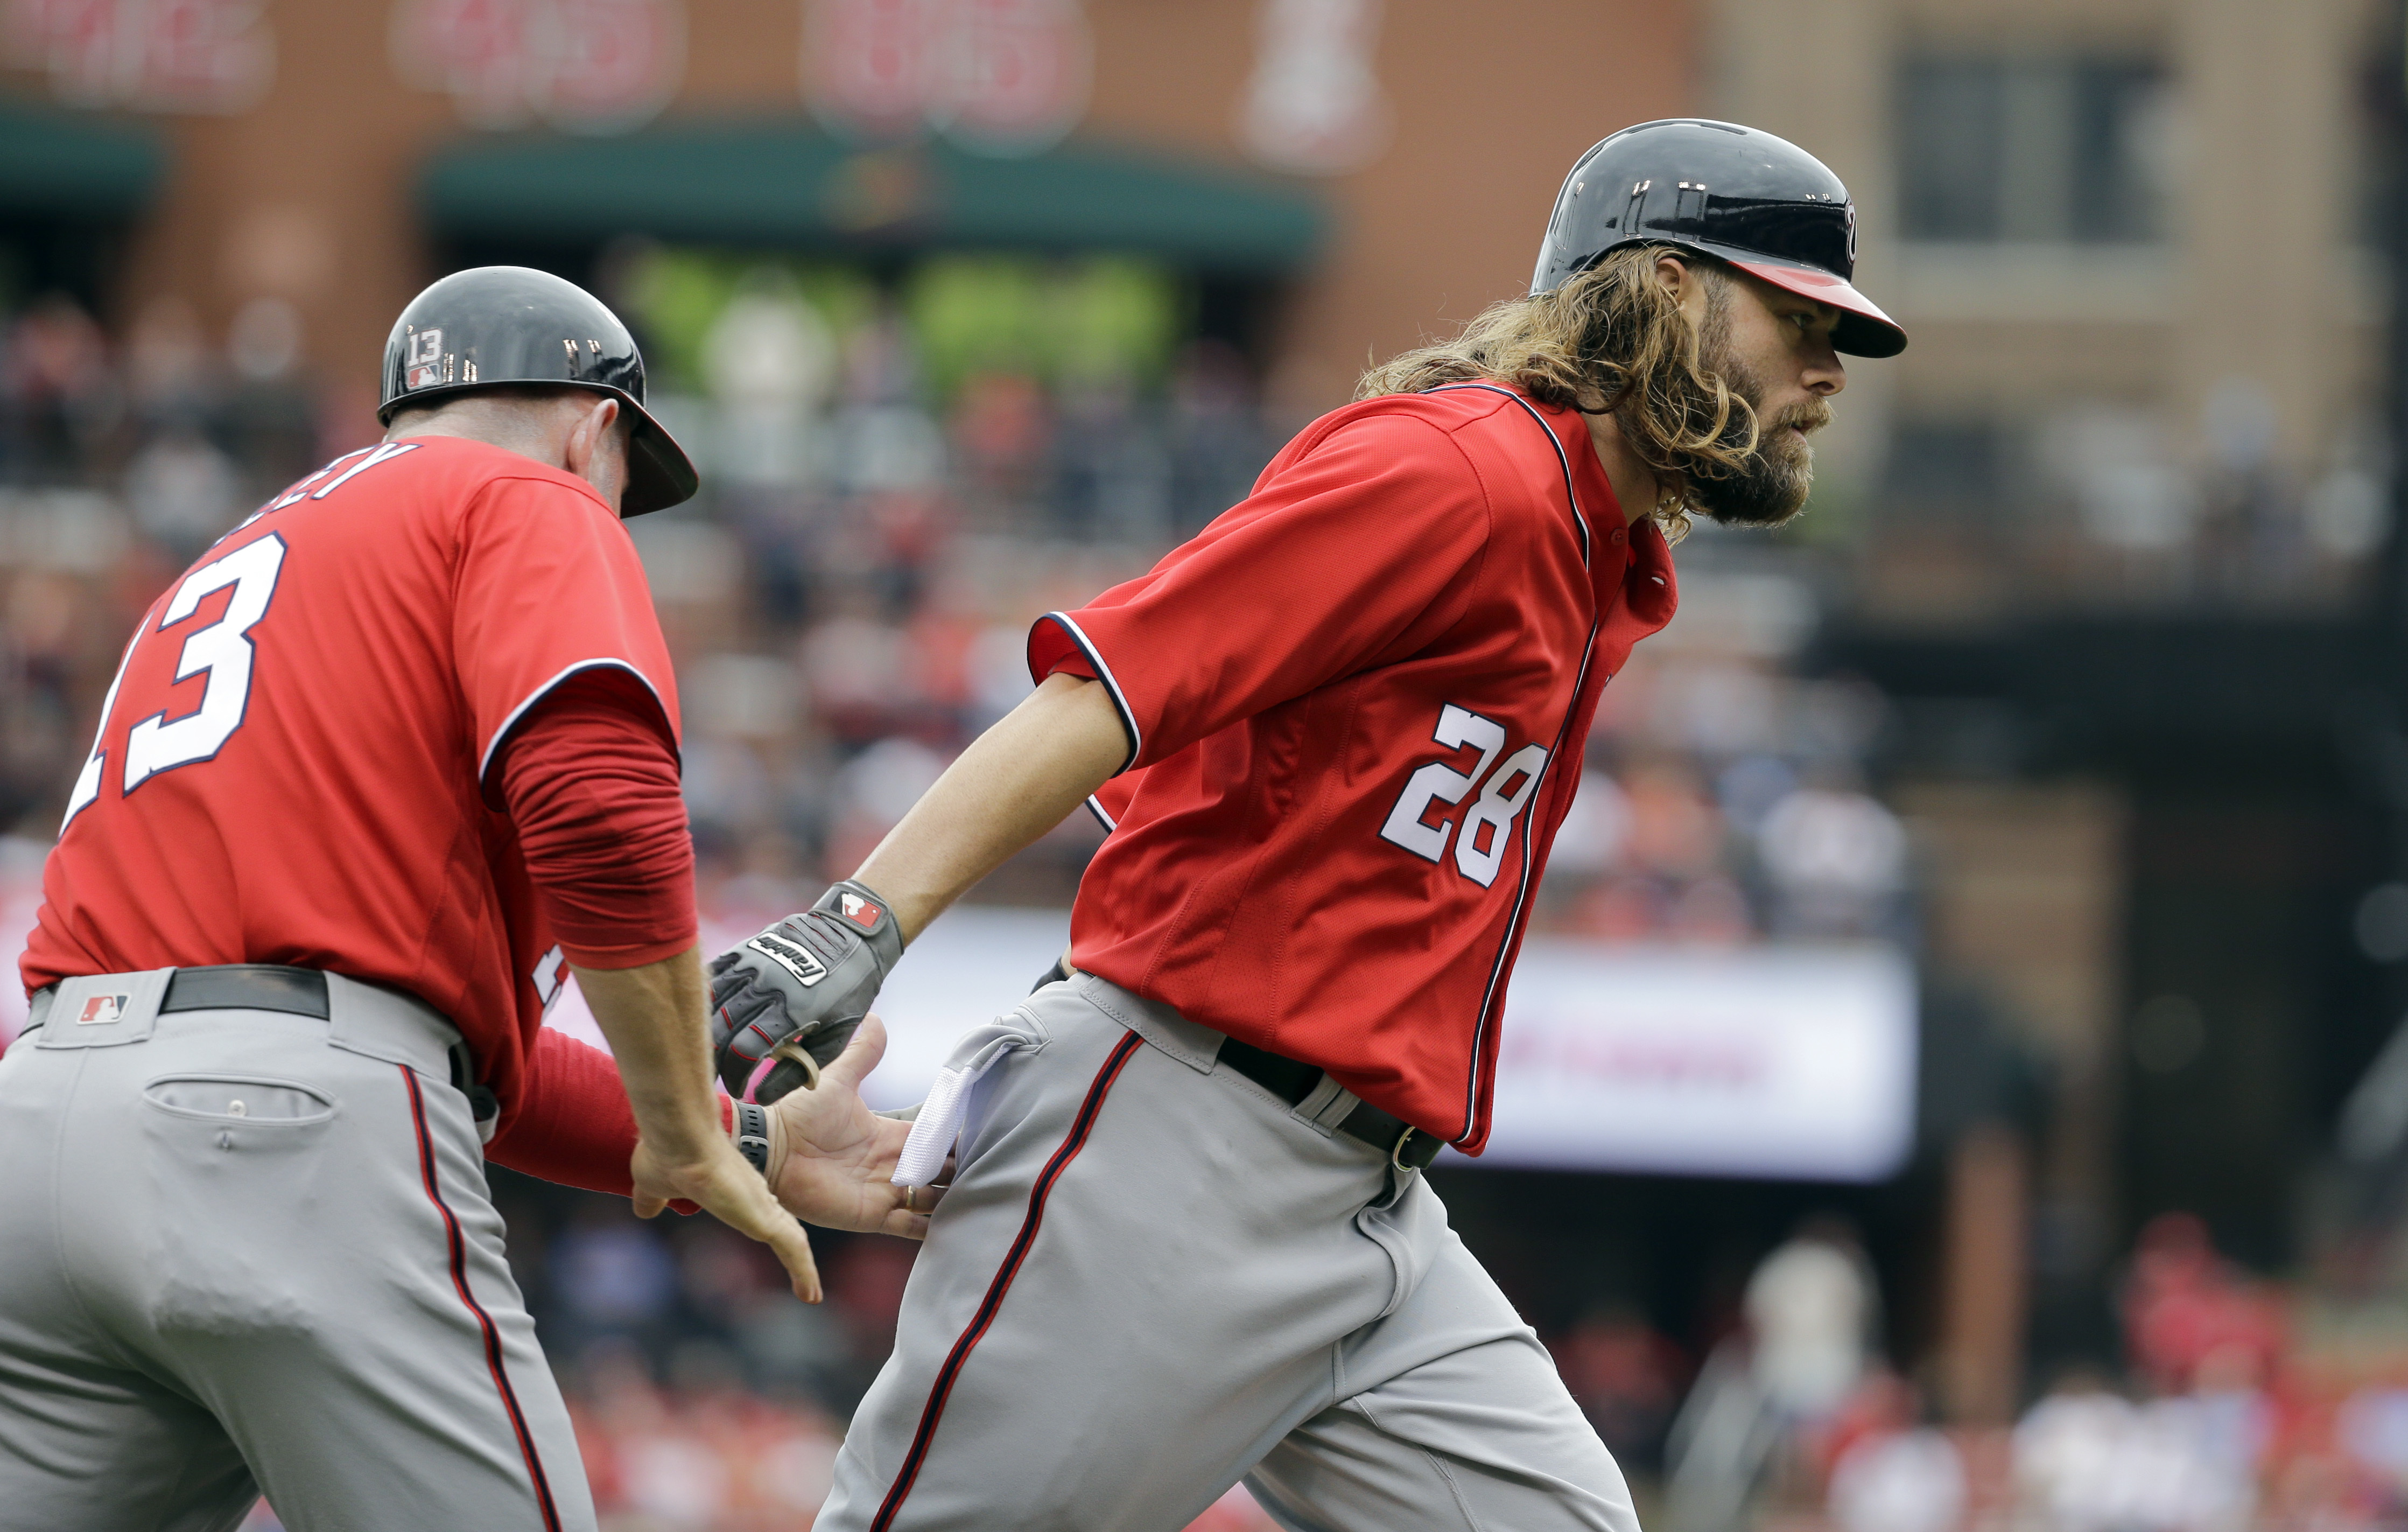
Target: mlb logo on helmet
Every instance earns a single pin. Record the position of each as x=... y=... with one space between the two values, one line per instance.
x=861 y=912
x=100 y=1010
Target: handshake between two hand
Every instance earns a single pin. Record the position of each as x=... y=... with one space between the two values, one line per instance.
x=797 y=998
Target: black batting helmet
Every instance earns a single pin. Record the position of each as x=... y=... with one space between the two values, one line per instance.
x=509 y=325
x=1760 y=203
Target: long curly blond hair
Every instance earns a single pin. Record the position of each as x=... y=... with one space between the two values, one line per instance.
x=1611 y=341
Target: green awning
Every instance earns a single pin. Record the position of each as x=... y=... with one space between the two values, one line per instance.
x=62 y=165
x=790 y=185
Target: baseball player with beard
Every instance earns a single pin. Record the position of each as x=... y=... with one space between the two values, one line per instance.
x=1187 y=1239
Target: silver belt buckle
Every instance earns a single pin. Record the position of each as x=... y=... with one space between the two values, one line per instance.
x=1397 y=1150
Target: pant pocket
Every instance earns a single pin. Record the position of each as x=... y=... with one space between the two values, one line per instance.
x=246 y=1205
x=239 y=1099
x=938 y=1124
x=1408 y=1222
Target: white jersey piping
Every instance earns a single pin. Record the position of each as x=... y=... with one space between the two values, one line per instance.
x=1112 y=684
x=537 y=695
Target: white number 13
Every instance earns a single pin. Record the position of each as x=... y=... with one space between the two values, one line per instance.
x=222 y=650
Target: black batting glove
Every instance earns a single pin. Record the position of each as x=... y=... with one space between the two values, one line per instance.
x=799 y=988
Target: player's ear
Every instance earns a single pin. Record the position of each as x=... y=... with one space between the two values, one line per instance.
x=589 y=425
x=595 y=450
x=1672 y=274
x=1685 y=283
x=599 y=416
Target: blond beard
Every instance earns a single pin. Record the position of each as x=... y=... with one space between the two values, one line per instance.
x=1771 y=486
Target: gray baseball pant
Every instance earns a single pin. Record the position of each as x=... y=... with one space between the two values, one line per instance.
x=242 y=1251
x=1153 y=1278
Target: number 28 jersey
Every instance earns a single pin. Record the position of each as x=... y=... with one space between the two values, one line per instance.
x=291 y=764
x=1356 y=705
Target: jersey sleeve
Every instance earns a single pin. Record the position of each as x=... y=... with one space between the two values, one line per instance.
x=548 y=586
x=571 y=1122
x=1362 y=548
x=593 y=791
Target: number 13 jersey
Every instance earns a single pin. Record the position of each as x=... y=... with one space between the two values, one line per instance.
x=291 y=762
x=1356 y=705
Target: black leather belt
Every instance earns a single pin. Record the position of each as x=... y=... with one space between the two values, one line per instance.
x=244 y=986
x=248 y=986
x=1407 y=1146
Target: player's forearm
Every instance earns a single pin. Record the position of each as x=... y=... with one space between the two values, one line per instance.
x=654 y=1018
x=1014 y=783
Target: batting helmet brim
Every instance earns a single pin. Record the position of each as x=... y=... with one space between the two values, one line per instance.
x=1863 y=329
x=659 y=473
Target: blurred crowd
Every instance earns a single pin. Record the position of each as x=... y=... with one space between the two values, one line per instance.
x=120 y=457
x=2237 y=1404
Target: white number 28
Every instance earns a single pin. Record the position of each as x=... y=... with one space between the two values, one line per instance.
x=222 y=650
x=1504 y=792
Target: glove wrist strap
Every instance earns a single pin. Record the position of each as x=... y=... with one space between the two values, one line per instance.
x=759 y=1137
x=866 y=912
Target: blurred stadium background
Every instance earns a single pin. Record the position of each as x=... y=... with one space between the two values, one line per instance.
x=1955 y=1084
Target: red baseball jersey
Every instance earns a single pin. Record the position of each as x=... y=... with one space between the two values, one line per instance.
x=291 y=762
x=1356 y=705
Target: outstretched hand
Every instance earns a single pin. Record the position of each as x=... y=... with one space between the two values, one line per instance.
x=840 y=1154
x=654 y=1016
x=717 y=1177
